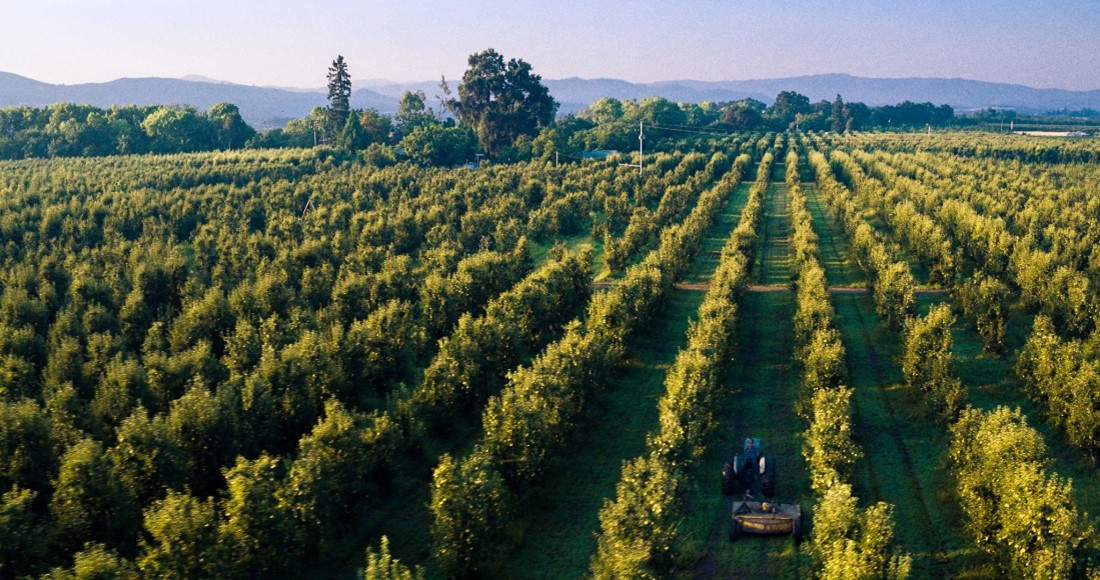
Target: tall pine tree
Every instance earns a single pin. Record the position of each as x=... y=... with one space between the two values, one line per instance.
x=339 y=95
x=839 y=116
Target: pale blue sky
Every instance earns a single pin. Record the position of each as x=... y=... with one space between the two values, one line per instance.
x=1053 y=43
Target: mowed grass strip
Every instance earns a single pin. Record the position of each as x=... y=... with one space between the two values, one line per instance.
x=711 y=251
x=903 y=461
x=841 y=270
x=773 y=255
x=762 y=387
x=561 y=517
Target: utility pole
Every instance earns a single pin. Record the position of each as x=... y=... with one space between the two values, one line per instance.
x=641 y=149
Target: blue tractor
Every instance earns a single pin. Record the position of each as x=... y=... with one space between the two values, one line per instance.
x=751 y=471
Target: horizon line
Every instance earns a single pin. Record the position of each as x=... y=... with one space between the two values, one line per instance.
x=200 y=78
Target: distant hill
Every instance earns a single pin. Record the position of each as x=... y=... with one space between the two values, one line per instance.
x=959 y=93
x=264 y=107
x=259 y=106
x=575 y=93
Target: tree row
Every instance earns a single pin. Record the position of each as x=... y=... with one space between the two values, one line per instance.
x=990 y=470
x=639 y=532
x=475 y=498
x=847 y=541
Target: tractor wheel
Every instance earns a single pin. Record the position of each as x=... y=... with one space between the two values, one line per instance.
x=728 y=479
x=767 y=479
x=735 y=529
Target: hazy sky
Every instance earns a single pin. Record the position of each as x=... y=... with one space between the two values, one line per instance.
x=1050 y=43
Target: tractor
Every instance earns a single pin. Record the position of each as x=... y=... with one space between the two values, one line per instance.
x=753 y=473
x=750 y=471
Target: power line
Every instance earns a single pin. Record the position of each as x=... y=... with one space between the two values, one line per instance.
x=697 y=130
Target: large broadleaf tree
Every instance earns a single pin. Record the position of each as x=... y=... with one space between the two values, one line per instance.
x=501 y=100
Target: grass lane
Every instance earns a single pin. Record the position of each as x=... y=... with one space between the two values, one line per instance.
x=840 y=269
x=560 y=517
x=773 y=251
x=710 y=252
x=762 y=388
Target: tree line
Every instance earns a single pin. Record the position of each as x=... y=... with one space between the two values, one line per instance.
x=501 y=110
x=69 y=130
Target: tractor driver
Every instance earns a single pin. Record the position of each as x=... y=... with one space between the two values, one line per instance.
x=750 y=468
x=751 y=452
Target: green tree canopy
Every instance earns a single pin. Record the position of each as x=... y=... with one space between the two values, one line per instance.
x=353 y=137
x=741 y=115
x=604 y=110
x=839 y=115
x=89 y=501
x=661 y=111
x=439 y=145
x=176 y=129
x=412 y=112
x=501 y=101
x=788 y=105
x=230 y=130
x=182 y=539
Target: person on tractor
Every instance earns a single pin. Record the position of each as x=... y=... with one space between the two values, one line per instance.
x=750 y=469
x=752 y=453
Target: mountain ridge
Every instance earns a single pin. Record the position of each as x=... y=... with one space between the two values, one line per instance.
x=267 y=107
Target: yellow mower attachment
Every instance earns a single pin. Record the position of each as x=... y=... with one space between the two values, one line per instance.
x=761 y=517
